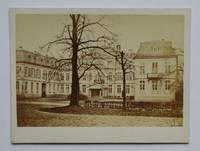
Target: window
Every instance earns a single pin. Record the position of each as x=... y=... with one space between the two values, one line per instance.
x=142 y=85
x=44 y=75
x=31 y=87
x=25 y=71
x=58 y=87
x=17 y=85
x=154 y=85
x=154 y=67
x=67 y=88
x=167 y=67
x=62 y=88
x=67 y=76
x=129 y=77
x=54 y=87
x=119 y=89
x=29 y=72
x=167 y=85
x=142 y=71
x=39 y=73
x=127 y=89
x=37 y=87
x=61 y=76
x=26 y=86
x=84 y=88
x=118 y=76
x=49 y=88
x=110 y=88
x=18 y=69
x=110 y=76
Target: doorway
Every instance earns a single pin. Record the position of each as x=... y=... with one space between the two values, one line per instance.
x=43 y=89
x=95 y=92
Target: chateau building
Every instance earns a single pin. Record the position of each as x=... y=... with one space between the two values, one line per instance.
x=157 y=71
x=36 y=77
x=156 y=75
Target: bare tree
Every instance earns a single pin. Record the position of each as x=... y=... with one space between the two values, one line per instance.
x=127 y=66
x=80 y=38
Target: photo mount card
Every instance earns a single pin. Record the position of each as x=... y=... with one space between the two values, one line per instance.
x=100 y=75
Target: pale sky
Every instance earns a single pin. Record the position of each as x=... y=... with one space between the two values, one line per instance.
x=33 y=31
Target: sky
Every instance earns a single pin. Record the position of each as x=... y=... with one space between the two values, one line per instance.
x=35 y=30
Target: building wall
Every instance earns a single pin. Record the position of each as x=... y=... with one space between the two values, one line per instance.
x=156 y=72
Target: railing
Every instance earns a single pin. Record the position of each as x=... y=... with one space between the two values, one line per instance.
x=154 y=75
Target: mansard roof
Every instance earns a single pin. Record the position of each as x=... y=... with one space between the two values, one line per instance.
x=154 y=49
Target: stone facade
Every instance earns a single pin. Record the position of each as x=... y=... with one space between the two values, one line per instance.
x=155 y=77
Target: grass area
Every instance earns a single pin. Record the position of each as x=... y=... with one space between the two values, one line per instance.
x=30 y=115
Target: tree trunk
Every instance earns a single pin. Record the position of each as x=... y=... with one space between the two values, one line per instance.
x=124 y=90
x=124 y=80
x=75 y=78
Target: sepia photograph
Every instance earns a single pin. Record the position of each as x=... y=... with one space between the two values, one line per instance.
x=93 y=69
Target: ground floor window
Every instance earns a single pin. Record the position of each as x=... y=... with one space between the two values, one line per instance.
x=142 y=85
x=119 y=89
x=32 y=87
x=67 y=88
x=62 y=88
x=17 y=85
x=49 y=88
x=26 y=86
x=167 y=84
x=110 y=88
x=54 y=86
x=58 y=87
x=127 y=89
x=37 y=87
x=154 y=85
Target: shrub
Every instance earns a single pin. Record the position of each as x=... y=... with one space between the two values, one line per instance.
x=81 y=97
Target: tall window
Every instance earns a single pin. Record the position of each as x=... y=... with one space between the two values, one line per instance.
x=62 y=88
x=167 y=67
x=154 y=67
x=49 y=88
x=67 y=88
x=119 y=89
x=44 y=74
x=118 y=76
x=26 y=86
x=17 y=85
x=67 y=76
x=84 y=88
x=142 y=85
x=110 y=76
x=31 y=87
x=18 y=70
x=110 y=88
x=154 y=85
x=37 y=87
x=142 y=70
x=167 y=84
x=127 y=89
x=54 y=87
x=25 y=71
x=30 y=73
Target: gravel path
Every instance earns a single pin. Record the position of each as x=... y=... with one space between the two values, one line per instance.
x=29 y=115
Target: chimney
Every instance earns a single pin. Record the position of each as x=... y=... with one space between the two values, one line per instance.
x=118 y=47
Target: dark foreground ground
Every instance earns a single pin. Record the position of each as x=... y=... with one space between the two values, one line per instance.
x=50 y=113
